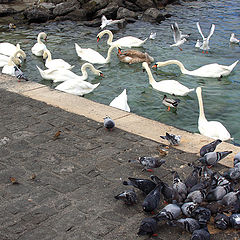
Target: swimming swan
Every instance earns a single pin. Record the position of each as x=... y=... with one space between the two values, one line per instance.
x=120 y=102
x=39 y=47
x=212 y=129
x=213 y=70
x=61 y=75
x=93 y=56
x=9 y=49
x=128 y=41
x=55 y=63
x=167 y=86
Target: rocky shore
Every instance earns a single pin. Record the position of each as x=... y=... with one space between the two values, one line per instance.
x=89 y=12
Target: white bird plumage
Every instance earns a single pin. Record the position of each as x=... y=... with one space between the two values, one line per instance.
x=167 y=86
x=39 y=47
x=233 y=39
x=178 y=38
x=9 y=49
x=212 y=129
x=127 y=41
x=198 y=44
x=205 y=43
x=213 y=70
x=120 y=102
x=106 y=22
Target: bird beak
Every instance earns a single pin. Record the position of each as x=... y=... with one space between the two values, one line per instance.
x=45 y=39
x=101 y=74
x=98 y=39
x=119 y=51
x=154 y=66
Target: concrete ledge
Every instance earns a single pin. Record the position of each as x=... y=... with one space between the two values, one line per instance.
x=130 y=122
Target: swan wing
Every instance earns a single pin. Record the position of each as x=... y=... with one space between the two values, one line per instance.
x=129 y=41
x=120 y=102
x=200 y=30
x=38 y=49
x=7 y=49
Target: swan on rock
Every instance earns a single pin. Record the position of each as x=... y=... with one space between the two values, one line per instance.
x=128 y=41
x=61 y=74
x=39 y=47
x=167 y=86
x=120 y=102
x=212 y=129
x=92 y=56
x=213 y=70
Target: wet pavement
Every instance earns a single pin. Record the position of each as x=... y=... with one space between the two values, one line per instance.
x=64 y=188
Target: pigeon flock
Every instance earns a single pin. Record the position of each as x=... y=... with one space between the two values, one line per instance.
x=190 y=203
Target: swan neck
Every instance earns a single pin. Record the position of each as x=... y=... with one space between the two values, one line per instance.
x=109 y=53
x=49 y=56
x=201 y=109
x=83 y=69
x=178 y=63
x=110 y=36
x=39 y=38
x=150 y=76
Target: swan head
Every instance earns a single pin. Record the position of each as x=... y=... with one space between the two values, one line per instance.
x=199 y=90
x=43 y=35
x=102 y=33
x=144 y=65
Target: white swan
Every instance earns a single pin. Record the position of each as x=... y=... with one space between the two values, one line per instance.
x=167 y=86
x=55 y=63
x=120 y=102
x=9 y=49
x=76 y=87
x=128 y=41
x=93 y=56
x=61 y=75
x=213 y=70
x=212 y=129
x=4 y=60
x=39 y=47
x=205 y=43
x=12 y=60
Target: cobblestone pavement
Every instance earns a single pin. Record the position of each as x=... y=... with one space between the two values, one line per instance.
x=66 y=186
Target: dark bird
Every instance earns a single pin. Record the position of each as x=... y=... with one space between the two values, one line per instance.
x=151 y=162
x=144 y=185
x=210 y=159
x=148 y=226
x=236 y=159
x=188 y=208
x=180 y=187
x=19 y=74
x=235 y=220
x=210 y=147
x=221 y=221
x=152 y=200
x=108 y=123
x=173 y=139
x=218 y=193
x=129 y=197
x=169 y=212
x=201 y=234
x=189 y=224
x=57 y=135
x=169 y=102
x=193 y=178
x=202 y=214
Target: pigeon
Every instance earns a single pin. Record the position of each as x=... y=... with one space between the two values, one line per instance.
x=179 y=187
x=167 y=192
x=196 y=196
x=19 y=74
x=236 y=159
x=210 y=159
x=232 y=174
x=231 y=198
x=235 y=220
x=188 y=208
x=178 y=38
x=106 y=22
x=189 y=224
x=151 y=162
x=233 y=39
x=193 y=178
x=221 y=221
x=152 y=200
x=201 y=234
x=210 y=147
x=153 y=35
x=169 y=212
x=148 y=226
x=205 y=45
x=129 y=197
x=202 y=214
x=108 y=123
x=169 y=102
x=173 y=139
x=144 y=185
x=218 y=193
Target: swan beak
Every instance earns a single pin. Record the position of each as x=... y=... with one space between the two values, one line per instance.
x=45 y=39
x=119 y=51
x=101 y=74
x=154 y=66
x=98 y=39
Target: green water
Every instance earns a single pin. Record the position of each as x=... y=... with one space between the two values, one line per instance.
x=221 y=98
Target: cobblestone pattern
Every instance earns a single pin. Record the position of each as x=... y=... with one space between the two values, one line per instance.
x=66 y=186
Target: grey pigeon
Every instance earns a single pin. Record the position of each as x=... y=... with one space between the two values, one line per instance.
x=188 y=224
x=193 y=178
x=169 y=212
x=151 y=162
x=202 y=214
x=188 y=208
x=233 y=173
x=221 y=221
x=144 y=185
x=219 y=180
x=218 y=193
x=179 y=187
x=231 y=198
x=210 y=147
x=148 y=226
x=173 y=139
x=235 y=220
x=152 y=200
x=129 y=197
x=236 y=158
x=211 y=158
x=201 y=234
x=108 y=123
x=196 y=196
x=19 y=74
